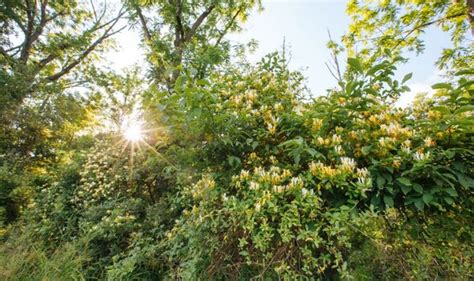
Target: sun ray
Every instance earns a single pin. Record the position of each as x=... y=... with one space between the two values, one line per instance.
x=158 y=154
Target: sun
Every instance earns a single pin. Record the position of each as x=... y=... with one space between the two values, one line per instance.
x=133 y=133
x=132 y=130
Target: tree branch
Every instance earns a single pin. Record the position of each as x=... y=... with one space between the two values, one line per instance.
x=65 y=70
x=146 y=31
x=228 y=26
x=5 y=53
x=179 y=30
x=408 y=33
x=30 y=14
x=198 y=22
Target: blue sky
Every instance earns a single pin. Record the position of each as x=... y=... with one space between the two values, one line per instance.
x=304 y=25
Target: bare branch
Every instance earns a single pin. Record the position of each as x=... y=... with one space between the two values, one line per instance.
x=331 y=72
x=336 y=61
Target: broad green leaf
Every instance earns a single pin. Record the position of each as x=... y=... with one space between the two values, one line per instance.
x=407 y=77
x=234 y=161
x=441 y=86
x=244 y=253
x=388 y=200
x=355 y=64
x=405 y=189
x=427 y=198
x=380 y=181
x=442 y=109
x=418 y=188
x=449 y=200
x=463 y=109
x=404 y=181
x=419 y=204
x=452 y=192
x=464 y=72
x=365 y=150
x=375 y=68
x=465 y=181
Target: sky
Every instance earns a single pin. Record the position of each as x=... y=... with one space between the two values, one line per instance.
x=304 y=25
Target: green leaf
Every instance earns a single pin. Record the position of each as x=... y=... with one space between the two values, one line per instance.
x=419 y=204
x=465 y=181
x=427 y=198
x=365 y=150
x=407 y=77
x=441 y=86
x=463 y=109
x=405 y=189
x=375 y=68
x=464 y=72
x=244 y=253
x=452 y=192
x=355 y=64
x=450 y=154
x=380 y=181
x=418 y=188
x=442 y=109
x=404 y=181
x=449 y=200
x=388 y=200
x=234 y=161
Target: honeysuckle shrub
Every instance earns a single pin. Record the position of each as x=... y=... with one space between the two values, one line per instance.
x=290 y=181
x=259 y=179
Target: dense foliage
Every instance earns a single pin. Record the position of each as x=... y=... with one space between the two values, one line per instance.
x=239 y=173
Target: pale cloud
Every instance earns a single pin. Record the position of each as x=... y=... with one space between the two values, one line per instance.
x=406 y=99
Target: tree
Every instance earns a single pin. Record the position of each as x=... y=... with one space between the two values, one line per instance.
x=187 y=36
x=46 y=47
x=397 y=26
